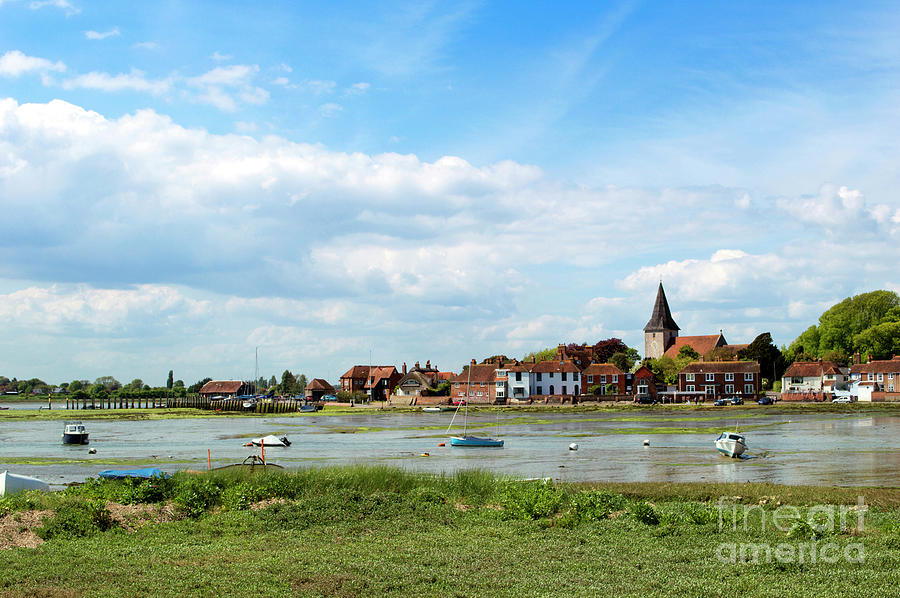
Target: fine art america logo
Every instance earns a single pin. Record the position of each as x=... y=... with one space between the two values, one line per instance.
x=820 y=521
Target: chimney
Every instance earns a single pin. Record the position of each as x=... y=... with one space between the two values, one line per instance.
x=856 y=358
x=533 y=358
x=404 y=368
x=473 y=361
x=868 y=357
x=417 y=365
x=428 y=364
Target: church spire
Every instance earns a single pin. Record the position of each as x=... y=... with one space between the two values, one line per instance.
x=662 y=317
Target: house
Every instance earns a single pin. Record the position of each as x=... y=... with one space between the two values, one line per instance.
x=418 y=380
x=605 y=375
x=882 y=376
x=518 y=380
x=318 y=388
x=717 y=379
x=643 y=384
x=377 y=381
x=551 y=378
x=224 y=388
x=813 y=380
x=475 y=384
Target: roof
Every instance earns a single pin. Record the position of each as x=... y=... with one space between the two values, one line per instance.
x=362 y=371
x=700 y=344
x=545 y=367
x=607 y=369
x=319 y=384
x=222 y=387
x=379 y=373
x=881 y=365
x=483 y=372
x=810 y=369
x=721 y=367
x=661 y=319
x=357 y=371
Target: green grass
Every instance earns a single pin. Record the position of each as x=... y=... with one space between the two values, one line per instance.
x=362 y=531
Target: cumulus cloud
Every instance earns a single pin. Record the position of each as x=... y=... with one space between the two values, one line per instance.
x=220 y=57
x=64 y=5
x=14 y=63
x=223 y=86
x=839 y=209
x=100 y=35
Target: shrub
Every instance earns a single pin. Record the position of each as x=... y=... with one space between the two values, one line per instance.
x=531 y=500
x=76 y=519
x=645 y=513
x=196 y=494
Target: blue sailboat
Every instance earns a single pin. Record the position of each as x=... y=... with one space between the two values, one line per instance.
x=467 y=439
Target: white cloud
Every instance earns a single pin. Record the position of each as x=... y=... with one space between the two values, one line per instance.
x=358 y=88
x=99 y=35
x=330 y=109
x=14 y=63
x=219 y=57
x=280 y=81
x=61 y=4
x=146 y=46
x=319 y=87
x=134 y=81
x=223 y=86
x=838 y=210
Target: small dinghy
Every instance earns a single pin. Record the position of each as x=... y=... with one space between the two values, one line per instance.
x=731 y=444
x=10 y=483
x=271 y=440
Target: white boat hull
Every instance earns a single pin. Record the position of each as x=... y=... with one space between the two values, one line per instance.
x=10 y=483
x=731 y=447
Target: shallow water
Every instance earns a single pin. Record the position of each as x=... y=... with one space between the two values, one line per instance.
x=810 y=449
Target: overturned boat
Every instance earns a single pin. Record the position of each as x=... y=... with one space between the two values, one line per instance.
x=271 y=440
x=10 y=483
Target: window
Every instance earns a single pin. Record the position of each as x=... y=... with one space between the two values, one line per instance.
x=471 y=393
x=881 y=377
x=564 y=391
x=540 y=389
x=748 y=389
x=460 y=394
x=710 y=389
x=480 y=394
x=870 y=376
x=710 y=377
x=796 y=380
x=563 y=376
x=729 y=377
x=518 y=376
x=456 y=385
x=729 y=389
x=590 y=379
x=689 y=377
x=539 y=378
x=602 y=379
x=551 y=389
x=642 y=389
x=748 y=377
x=482 y=385
x=615 y=378
x=890 y=388
x=690 y=388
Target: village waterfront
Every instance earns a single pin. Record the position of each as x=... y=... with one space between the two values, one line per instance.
x=818 y=445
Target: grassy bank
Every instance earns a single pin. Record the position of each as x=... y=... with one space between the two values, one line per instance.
x=370 y=531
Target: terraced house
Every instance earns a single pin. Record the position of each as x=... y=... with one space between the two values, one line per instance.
x=716 y=379
x=813 y=380
x=877 y=380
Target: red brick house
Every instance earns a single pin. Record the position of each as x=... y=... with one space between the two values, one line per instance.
x=643 y=383
x=476 y=384
x=717 y=379
x=603 y=374
x=883 y=376
x=377 y=381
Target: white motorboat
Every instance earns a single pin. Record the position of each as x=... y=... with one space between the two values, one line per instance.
x=74 y=433
x=271 y=440
x=731 y=444
x=10 y=483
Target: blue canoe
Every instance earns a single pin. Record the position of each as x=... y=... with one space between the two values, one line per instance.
x=147 y=472
x=474 y=441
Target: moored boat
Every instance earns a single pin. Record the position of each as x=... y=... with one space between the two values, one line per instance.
x=10 y=483
x=74 y=433
x=731 y=444
x=474 y=441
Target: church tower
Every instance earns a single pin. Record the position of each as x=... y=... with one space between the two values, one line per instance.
x=661 y=330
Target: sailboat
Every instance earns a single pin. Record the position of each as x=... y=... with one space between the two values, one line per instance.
x=467 y=439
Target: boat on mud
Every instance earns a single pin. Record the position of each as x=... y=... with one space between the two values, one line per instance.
x=271 y=440
x=731 y=444
x=74 y=433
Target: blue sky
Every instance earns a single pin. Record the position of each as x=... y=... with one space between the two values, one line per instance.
x=186 y=181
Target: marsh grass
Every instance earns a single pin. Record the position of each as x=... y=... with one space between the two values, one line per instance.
x=359 y=531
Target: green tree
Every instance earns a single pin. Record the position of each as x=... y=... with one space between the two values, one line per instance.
x=881 y=341
x=763 y=351
x=288 y=382
x=136 y=384
x=842 y=322
x=196 y=386
x=109 y=383
x=625 y=360
x=301 y=383
x=689 y=352
x=178 y=384
x=170 y=381
x=544 y=355
x=75 y=385
x=273 y=381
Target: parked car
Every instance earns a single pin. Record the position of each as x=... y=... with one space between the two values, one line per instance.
x=765 y=401
x=458 y=402
x=737 y=401
x=722 y=402
x=329 y=398
x=844 y=400
x=645 y=400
